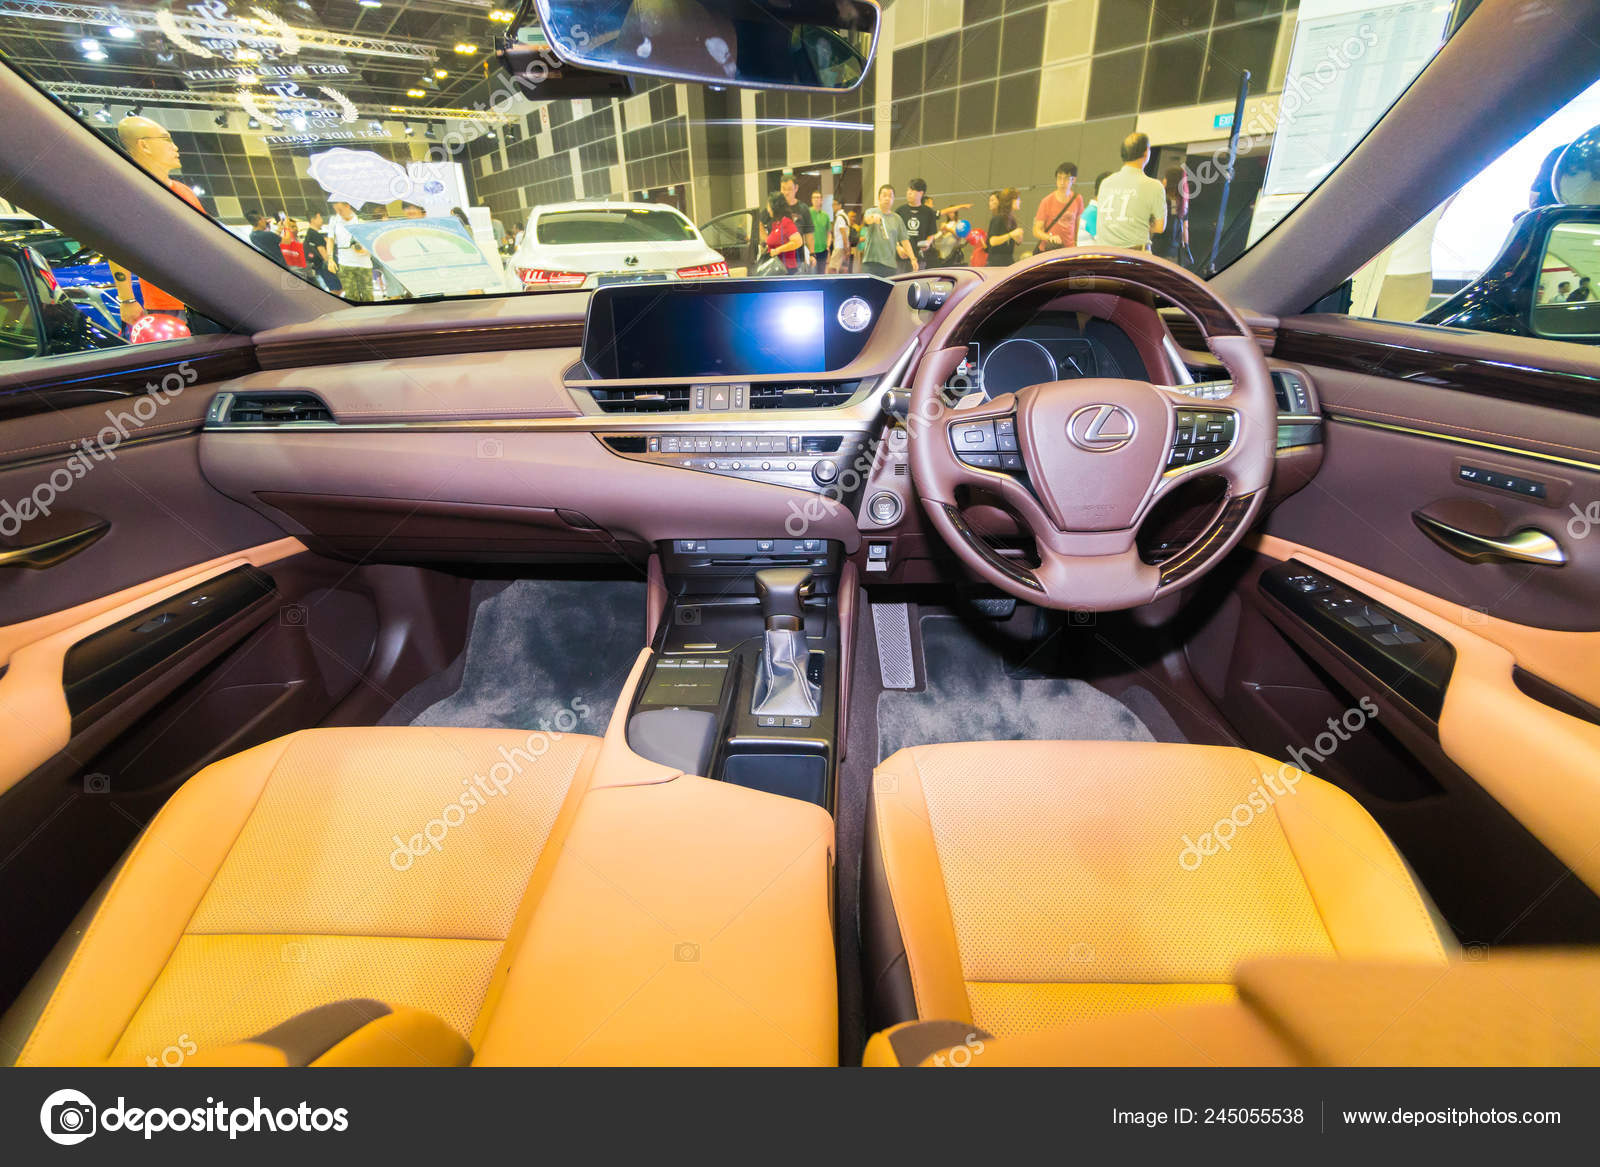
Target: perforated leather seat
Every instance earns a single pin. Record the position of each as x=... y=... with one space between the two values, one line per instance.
x=1018 y=886
x=445 y=897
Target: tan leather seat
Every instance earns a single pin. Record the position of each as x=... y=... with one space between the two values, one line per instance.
x=1018 y=886
x=334 y=864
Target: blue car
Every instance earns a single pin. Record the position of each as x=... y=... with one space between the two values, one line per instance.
x=83 y=274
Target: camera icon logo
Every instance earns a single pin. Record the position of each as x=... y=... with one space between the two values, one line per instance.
x=686 y=952
x=490 y=449
x=68 y=1117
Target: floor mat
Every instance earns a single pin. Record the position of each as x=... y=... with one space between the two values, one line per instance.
x=538 y=648
x=976 y=691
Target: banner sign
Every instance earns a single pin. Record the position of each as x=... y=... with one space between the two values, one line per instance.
x=431 y=256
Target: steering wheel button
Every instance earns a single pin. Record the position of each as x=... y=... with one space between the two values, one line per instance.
x=1184 y=436
x=1011 y=462
x=975 y=435
x=1186 y=417
x=982 y=461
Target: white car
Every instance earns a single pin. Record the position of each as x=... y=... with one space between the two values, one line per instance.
x=589 y=244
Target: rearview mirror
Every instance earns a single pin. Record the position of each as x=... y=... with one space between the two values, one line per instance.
x=823 y=45
x=1576 y=178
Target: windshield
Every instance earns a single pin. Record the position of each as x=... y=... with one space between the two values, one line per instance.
x=377 y=149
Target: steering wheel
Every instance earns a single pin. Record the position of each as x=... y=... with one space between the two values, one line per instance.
x=1081 y=463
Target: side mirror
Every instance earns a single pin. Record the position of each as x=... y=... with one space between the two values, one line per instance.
x=1566 y=300
x=814 y=45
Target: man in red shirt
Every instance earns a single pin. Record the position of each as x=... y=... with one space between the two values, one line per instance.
x=1056 y=223
x=151 y=146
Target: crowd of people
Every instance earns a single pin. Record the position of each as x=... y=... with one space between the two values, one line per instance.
x=1128 y=209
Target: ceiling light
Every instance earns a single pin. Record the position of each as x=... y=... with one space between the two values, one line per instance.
x=431 y=132
x=137 y=111
x=411 y=130
x=441 y=72
x=120 y=32
x=165 y=57
x=466 y=49
x=253 y=124
x=198 y=189
x=370 y=3
x=221 y=119
x=103 y=113
x=298 y=121
x=246 y=55
x=415 y=93
x=501 y=16
x=375 y=126
x=89 y=44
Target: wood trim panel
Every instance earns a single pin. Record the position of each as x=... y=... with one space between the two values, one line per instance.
x=1187 y=335
x=1506 y=380
x=342 y=350
x=104 y=382
x=1067 y=268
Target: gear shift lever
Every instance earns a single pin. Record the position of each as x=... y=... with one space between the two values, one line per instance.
x=781 y=591
x=782 y=686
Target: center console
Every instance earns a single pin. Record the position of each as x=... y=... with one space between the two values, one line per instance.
x=743 y=685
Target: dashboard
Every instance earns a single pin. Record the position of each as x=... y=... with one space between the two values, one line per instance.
x=1014 y=350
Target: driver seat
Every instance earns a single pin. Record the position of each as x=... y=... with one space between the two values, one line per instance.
x=1020 y=886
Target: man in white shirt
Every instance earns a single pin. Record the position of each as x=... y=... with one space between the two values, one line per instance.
x=355 y=262
x=1133 y=206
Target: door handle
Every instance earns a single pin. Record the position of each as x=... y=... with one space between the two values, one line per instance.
x=52 y=551
x=1524 y=545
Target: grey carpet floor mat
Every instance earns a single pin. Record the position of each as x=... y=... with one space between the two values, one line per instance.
x=537 y=648
x=972 y=695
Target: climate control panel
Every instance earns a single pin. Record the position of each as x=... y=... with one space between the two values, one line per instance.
x=831 y=463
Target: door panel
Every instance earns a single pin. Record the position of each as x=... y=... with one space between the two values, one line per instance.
x=1493 y=794
x=1372 y=481
x=193 y=627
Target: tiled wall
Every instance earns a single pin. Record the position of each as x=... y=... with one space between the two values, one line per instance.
x=993 y=93
x=591 y=149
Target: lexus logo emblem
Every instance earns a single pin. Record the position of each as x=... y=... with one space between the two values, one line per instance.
x=1100 y=428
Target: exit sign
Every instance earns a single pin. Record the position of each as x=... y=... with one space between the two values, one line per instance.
x=1222 y=121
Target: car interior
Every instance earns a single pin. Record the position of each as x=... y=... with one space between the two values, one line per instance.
x=1103 y=663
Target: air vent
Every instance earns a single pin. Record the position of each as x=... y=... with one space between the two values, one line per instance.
x=791 y=395
x=276 y=409
x=642 y=399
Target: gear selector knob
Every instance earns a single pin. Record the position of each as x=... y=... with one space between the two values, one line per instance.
x=782 y=592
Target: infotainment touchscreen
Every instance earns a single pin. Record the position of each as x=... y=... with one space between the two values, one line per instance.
x=692 y=336
x=742 y=328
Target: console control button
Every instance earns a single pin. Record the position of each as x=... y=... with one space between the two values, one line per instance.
x=825 y=470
